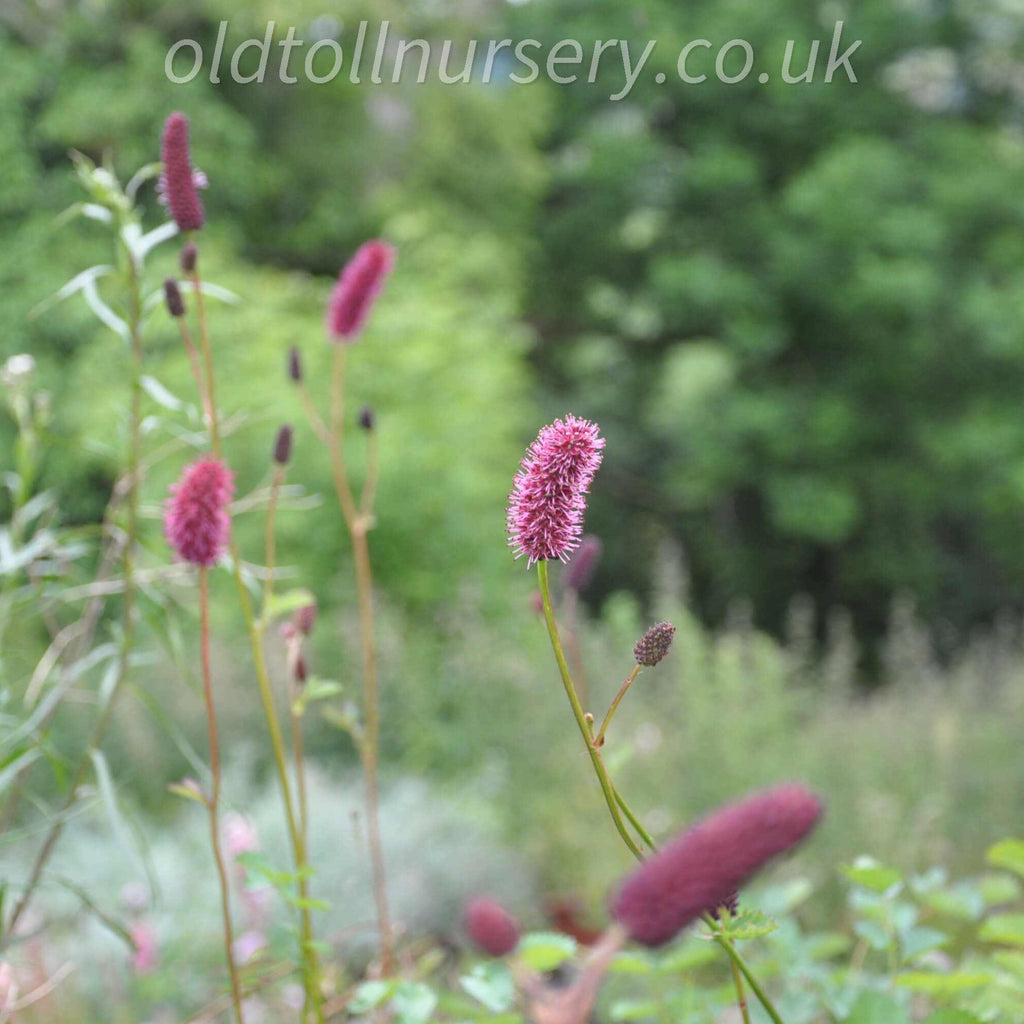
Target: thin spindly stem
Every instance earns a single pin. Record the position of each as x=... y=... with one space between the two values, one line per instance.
x=577 y=710
x=254 y=629
x=358 y=525
x=741 y=996
x=213 y=801
x=599 y=740
x=614 y=799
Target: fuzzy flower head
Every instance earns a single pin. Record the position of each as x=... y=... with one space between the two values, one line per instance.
x=196 y=520
x=180 y=184
x=703 y=867
x=654 y=644
x=359 y=284
x=491 y=926
x=549 y=493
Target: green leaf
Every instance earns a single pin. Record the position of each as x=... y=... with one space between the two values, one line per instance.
x=283 y=604
x=998 y=889
x=952 y=1017
x=873 y=934
x=315 y=689
x=876 y=1008
x=413 y=1003
x=634 y=1009
x=490 y=984
x=871 y=874
x=749 y=924
x=544 y=951
x=943 y=986
x=1008 y=854
x=160 y=394
x=369 y=995
x=916 y=941
x=1006 y=929
x=631 y=963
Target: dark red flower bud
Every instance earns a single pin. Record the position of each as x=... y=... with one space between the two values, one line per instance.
x=295 y=365
x=359 y=284
x=189 y=257
x=300 y=669
x=704 y=866
x=367 y=417
x=491 y=926
x=654 y=644
x=731 y=903
x=172 y=295
x=283 y=446
x=580 y=571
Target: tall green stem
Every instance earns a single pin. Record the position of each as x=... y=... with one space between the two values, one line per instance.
x=213 y=801
x=358 y=525
x=595 y=757
x=254 y=629
x=614 y=799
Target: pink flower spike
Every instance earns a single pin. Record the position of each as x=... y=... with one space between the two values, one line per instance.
x=490 y=926
x=196 y=520
x=359 y=284
x=701 y=869
x=549 y=493
x=179 y=182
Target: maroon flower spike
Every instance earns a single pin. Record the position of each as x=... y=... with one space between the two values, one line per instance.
x=188 y=258
x=359 y=284
x=283 y=445
x=703 y=867
x=549 y=493
x=294 y=365
x=491 y=926
x=196 y=520
x=172 y=296
x=179 y=182
x=580 y=572
x=654 y=644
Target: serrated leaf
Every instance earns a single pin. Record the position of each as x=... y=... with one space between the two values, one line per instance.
x=1007 y=854
x=631 y=963
x=942 y=986
x=490 y=984
x=873 y=934
x=413 y=1003
x=916 y=941
x=369 y=995
x=749 y=924
x=1005 y=929
x=872 y=874
x=633 y=1009
x=544 y=951
x=876 y=1008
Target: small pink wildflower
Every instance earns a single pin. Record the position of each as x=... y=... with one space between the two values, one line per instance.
x=179 y=180
x=196 y=520
x=549 y=493
x=702 y=868
x=146 y=955
x=359 y=284
x=491 y=926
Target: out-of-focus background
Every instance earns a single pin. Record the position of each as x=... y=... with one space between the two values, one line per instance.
x=796 y=311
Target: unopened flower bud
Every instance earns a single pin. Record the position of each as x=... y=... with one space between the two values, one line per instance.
x=300 y=669
x=283 y=446
x=654 y=644
x=172 y=294
x=188 y=258
x=367 y=417
x=294 y=365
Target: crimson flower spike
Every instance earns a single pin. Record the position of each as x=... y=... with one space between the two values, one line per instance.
x=702 y=868
x=196 y=520
x=359 y=284
x=179 y=182
x=549 y=493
